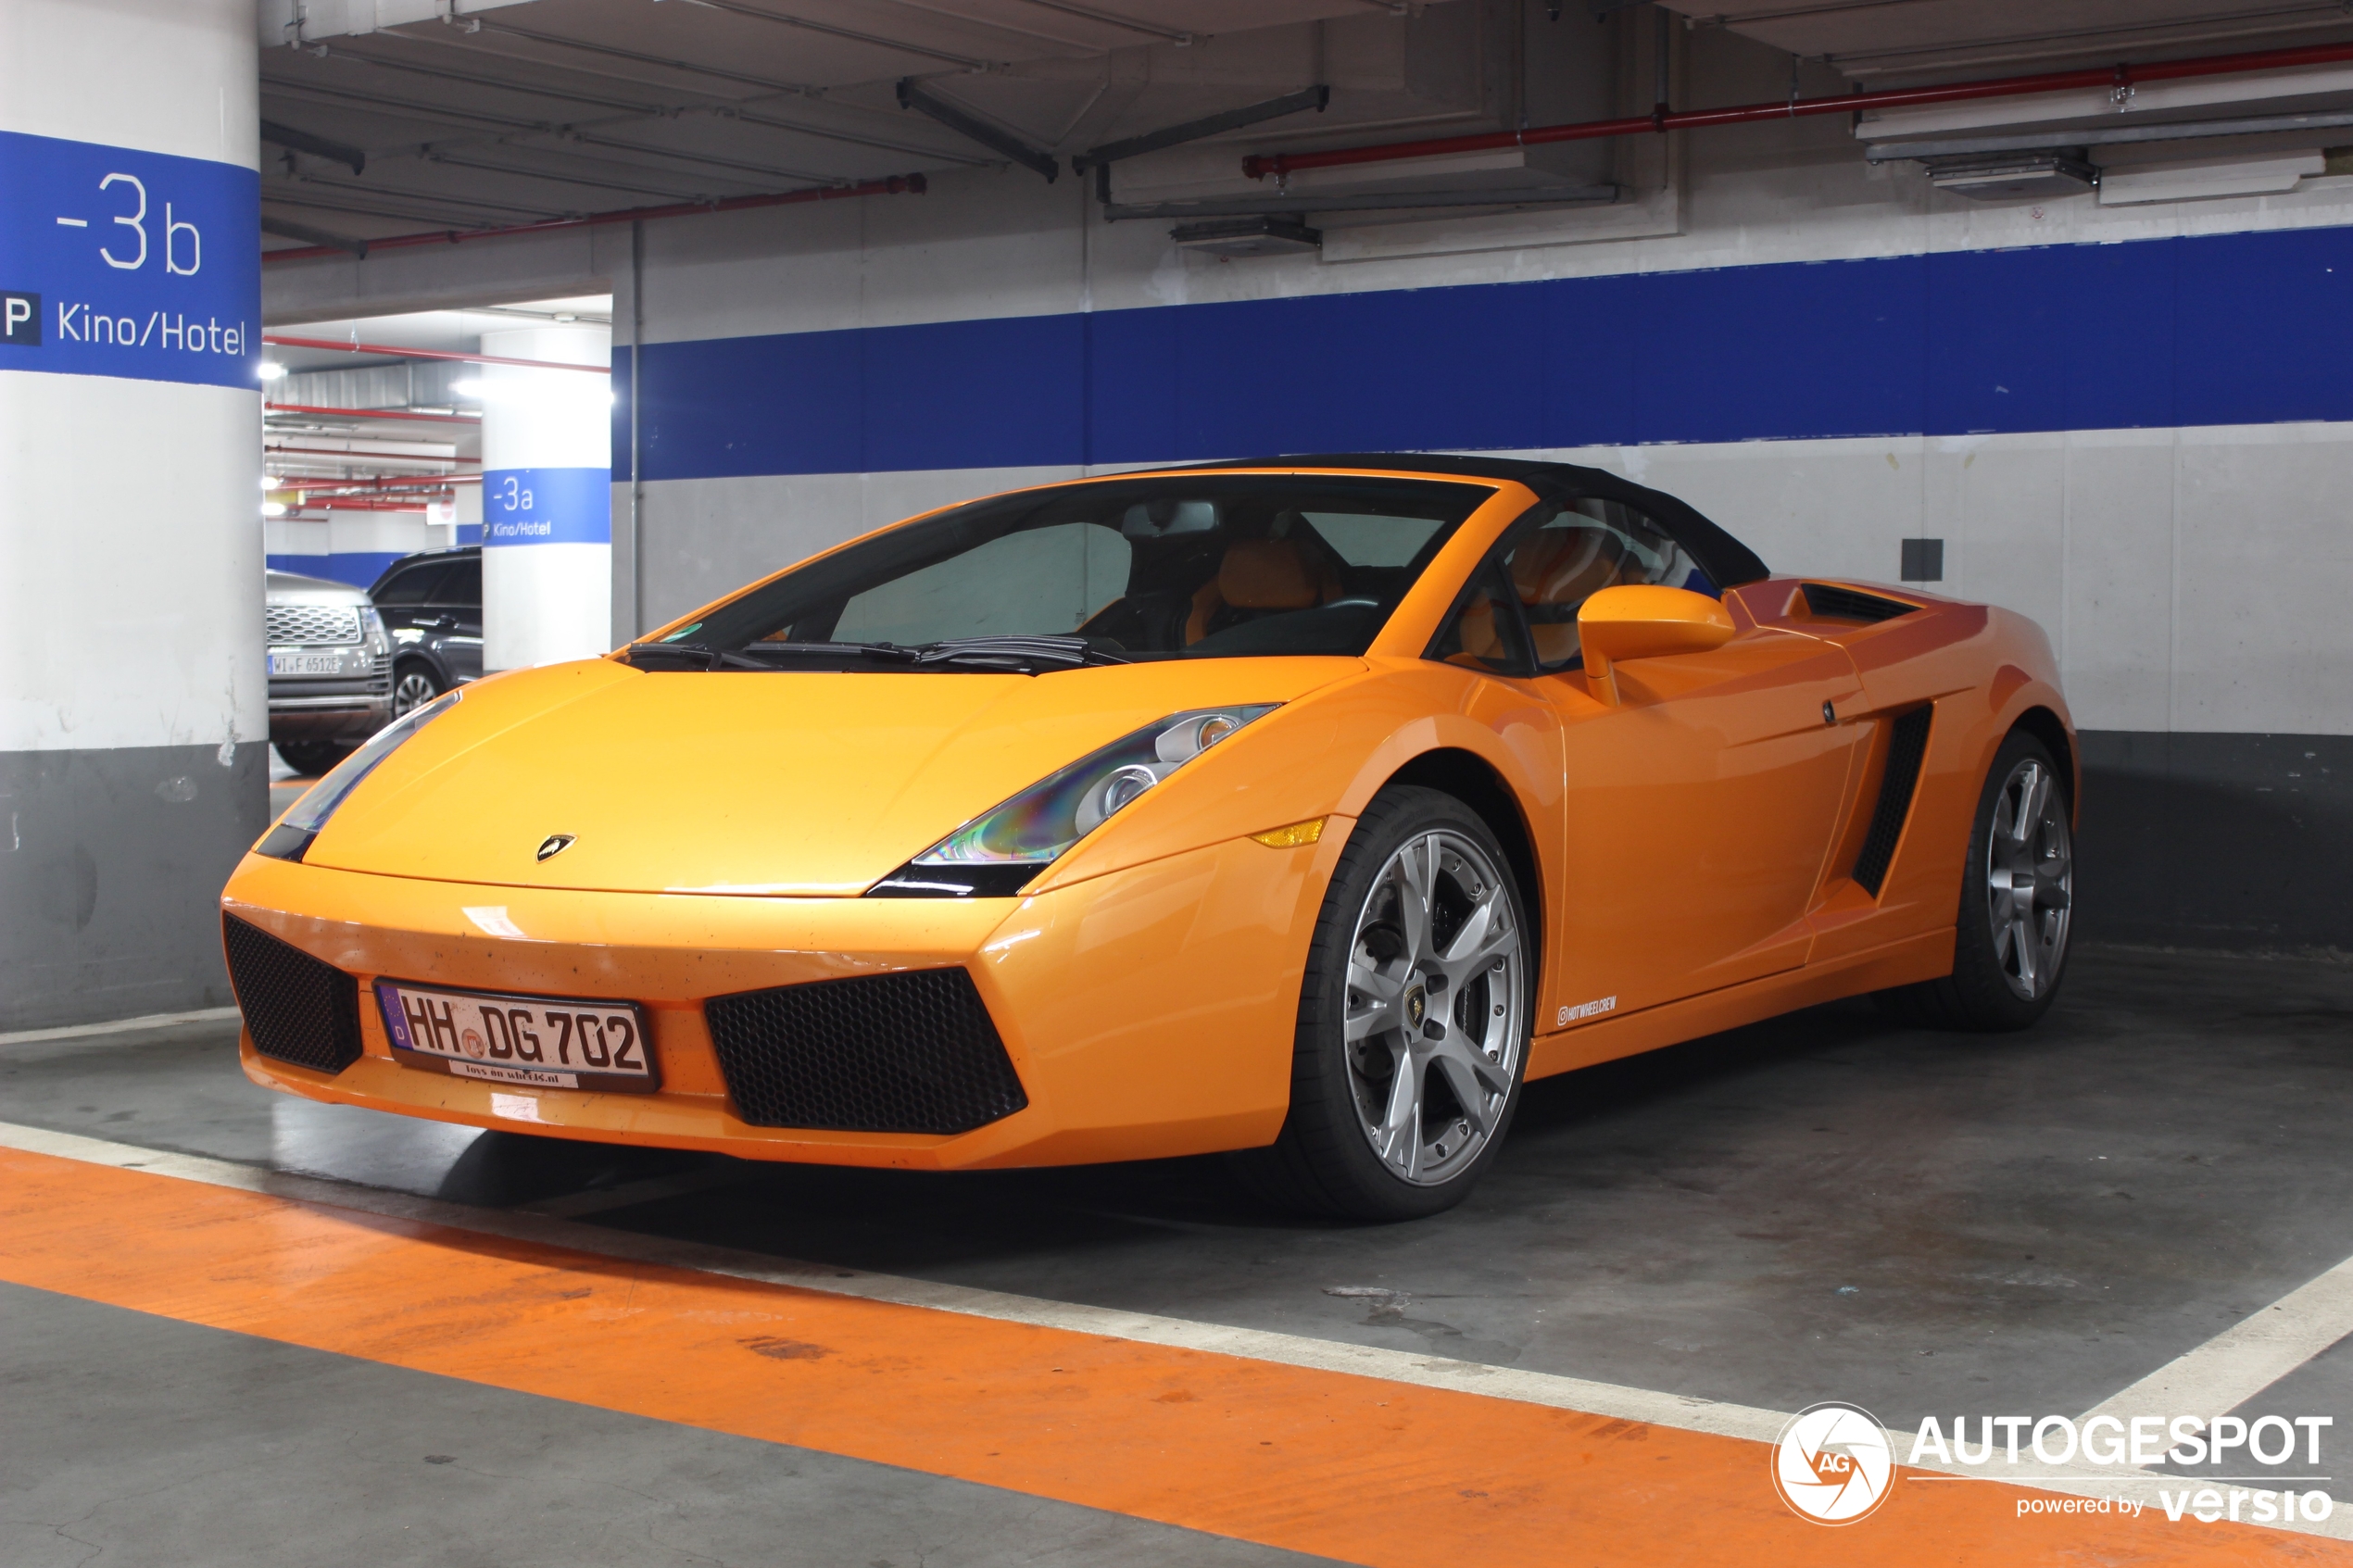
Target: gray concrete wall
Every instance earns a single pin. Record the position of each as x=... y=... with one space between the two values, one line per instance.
x=110 y=862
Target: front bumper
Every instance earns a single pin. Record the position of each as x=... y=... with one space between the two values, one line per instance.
x=1149 y=1012
x=341 y=718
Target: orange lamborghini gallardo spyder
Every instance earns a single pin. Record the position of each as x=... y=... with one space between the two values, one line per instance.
x=1302 y=809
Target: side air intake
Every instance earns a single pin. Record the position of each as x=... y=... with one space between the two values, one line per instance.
x=1852 y=603
x=299 y=1009
x=1906 y=745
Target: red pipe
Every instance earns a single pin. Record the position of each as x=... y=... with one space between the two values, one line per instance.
x=911 y=184
x=371 y=413
x=381 y=457
x=426 y=354
x=2120 y=77
x=323 y=485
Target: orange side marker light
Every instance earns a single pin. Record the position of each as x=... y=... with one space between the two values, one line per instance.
x=1292 y=837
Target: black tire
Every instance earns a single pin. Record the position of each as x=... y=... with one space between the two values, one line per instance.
x=413 y=685
x=313 y=758
x=1324 y=1161
x=1983 y=992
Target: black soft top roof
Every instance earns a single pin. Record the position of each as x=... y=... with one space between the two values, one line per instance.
x=1726 y=561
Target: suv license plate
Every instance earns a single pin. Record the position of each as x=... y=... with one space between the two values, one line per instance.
x=544 y=1042
x=306 y=664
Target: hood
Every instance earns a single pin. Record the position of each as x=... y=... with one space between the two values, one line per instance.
x=787 y=784
x=292 y=588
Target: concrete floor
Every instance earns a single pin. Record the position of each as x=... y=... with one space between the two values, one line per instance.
x=1822 y=1207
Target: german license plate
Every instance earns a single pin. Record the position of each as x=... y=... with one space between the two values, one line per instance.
x=306 y=664
x=543 y=1042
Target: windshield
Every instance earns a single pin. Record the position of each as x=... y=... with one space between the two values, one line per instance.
x=1204 y=566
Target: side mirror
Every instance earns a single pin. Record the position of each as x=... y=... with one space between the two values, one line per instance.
x=1641 y=622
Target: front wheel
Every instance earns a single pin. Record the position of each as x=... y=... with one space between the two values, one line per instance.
x=2018 y=895
x=1413 y=1020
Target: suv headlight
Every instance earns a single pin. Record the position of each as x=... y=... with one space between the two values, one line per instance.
x=290 y=839
x=372 y=630
x=995 y=853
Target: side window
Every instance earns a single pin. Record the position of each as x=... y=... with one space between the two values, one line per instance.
x=463 y=587
x=412 y=587
x=1572 y=550
x=1482 y=633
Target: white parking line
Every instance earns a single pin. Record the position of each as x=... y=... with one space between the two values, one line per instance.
x=119 y=1026
x=2247 y=1357
x=1684 y=1412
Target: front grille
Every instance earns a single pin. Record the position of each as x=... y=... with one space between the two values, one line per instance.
x=297 y=1008
x=1907 y=744
x=892 y=1053
x=312 y=624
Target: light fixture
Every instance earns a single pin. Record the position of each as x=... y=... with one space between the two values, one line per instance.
x=466 y=386
x=273 y=509
x=269 y=370
x=269 y=484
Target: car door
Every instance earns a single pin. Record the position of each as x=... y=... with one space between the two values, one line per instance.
x=1700 y=805
x=402 y=601
x=455 y=608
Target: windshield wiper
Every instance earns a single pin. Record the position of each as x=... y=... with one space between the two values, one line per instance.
x=1020 y=654
x=1023 y=656
x=702 y=656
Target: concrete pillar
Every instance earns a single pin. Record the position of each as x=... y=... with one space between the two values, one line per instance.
x=133 y=719
x=546 y=498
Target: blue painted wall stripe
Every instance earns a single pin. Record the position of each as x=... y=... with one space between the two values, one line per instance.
x=2235 y=329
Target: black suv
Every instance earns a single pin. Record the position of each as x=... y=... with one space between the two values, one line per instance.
x=431 y=603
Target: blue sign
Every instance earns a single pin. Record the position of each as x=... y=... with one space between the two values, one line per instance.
x=546 y=506
x=121 y=263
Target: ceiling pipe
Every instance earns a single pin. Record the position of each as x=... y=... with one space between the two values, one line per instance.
x=911 y=184
x=323 y=487
x=355 y=348
x=2120 y=80
x=368 y=456
x=370 y=413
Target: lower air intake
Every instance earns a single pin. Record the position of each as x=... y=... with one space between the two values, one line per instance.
x=299 y=1009
x=889 y=1053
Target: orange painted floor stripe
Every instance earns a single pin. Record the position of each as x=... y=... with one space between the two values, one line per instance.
x=1349 y=1467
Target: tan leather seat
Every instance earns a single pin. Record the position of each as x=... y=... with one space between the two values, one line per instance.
x=1261 y=576
x=1557 y=569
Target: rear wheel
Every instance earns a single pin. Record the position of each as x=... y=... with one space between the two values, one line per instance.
x=2018 y=891
x=1412 y=1027
x=413 y=685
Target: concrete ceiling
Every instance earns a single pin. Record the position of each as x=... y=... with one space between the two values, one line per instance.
x=1868 y=39
x=476 y=115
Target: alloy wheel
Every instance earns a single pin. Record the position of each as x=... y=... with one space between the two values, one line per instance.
x=1434 y=1019
x=412 y=690
x=2030 y=879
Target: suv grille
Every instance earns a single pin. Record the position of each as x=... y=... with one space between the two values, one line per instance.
x=311 y=623
x=891 y=1053
x=297 y=1008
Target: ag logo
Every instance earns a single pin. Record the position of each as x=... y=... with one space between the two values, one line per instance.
x=553 y=843
x=1831 y=1464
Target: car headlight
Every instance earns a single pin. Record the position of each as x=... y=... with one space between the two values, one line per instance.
x=995 y=853
x=371 y=628
x=290 y=839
